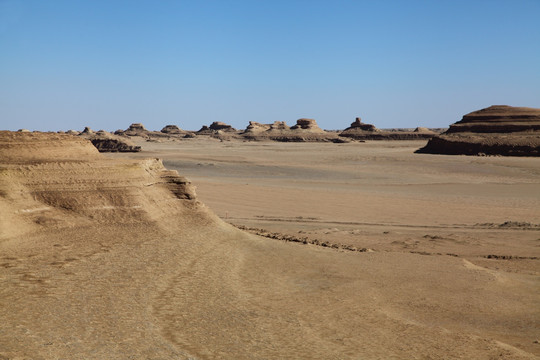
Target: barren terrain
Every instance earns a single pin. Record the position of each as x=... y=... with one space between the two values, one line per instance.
x=406 y=256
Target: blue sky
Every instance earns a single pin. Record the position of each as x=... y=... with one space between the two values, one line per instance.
x=106 y=64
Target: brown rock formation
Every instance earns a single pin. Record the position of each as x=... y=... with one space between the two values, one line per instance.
x=169 y=132
x=359 y=125
x=68 y=181
x=305 y=130
x=218 y=125
x=34 y=147
x=173 y=130
x=107 y=142
x=279 y=126
x=87 y=130
x=362 y=131
x=219 y=130
x=423 y=130
x=306 y=124
x=256 y=127
x=496 y=130
x=136 y=129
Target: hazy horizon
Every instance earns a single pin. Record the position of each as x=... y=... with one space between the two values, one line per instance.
x=65 y=65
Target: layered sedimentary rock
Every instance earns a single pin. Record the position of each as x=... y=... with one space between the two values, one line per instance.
x=214 y=127
x=218 y=125
x=424 y=130
x=496 y=130
x=61 y=177
x=107 y=142
x=307 y=124
x=136 y=129
x=256 y=127
x=168 y=132
x=362 y=131
x=219 y=130
x=305 y=130
x=358 y=125
x=173 y=130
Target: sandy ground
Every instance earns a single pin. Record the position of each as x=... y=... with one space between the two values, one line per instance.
x=377 y=194
x=179 y=283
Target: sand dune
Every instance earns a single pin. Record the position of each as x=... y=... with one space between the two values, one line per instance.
x=102 y=257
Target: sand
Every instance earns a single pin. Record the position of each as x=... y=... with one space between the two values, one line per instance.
x=177 y=282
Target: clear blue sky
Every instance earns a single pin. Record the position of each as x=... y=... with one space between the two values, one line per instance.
x=396 y=63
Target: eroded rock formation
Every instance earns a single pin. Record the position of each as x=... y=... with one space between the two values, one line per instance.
x=107 y=142
x=218 y=125
x=64 y=177
x=305 y=130
x=496 y=130
x=307 y=124
x=362 y=131
x=173 y=130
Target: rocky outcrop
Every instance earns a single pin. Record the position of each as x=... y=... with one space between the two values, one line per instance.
x=136 y=129
x=359 y=125
x=256 y=127
x=498 y=119
x=307 y=124
x=279 y=126
x=168 y=132
x=214 y=127
x=63 y=178
x=87 y=130
x=218 y=125
x=305 y=130
x=37 y=147
x=173 y=130
x=424 y=130
x=220 y=131
x=107 y=142
x=496 y=130
x=362 y=131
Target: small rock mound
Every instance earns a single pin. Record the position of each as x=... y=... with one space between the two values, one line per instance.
x=136 y=129
x=172 y=129
x=279 y=126
x=359 y=125
x=496 y=130
x=306 y=124
x=107 y=142
x=87 y=130
x=218 y=125
x=219 y=130
x=423 y=130
x=362 y=131
x=305 y=130
x=256 y=127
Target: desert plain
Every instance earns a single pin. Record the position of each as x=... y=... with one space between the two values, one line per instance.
x=289 y=251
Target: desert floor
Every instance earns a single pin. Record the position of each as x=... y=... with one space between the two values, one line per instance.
x=418 y=214
x=424 y=256
x=377 y=195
